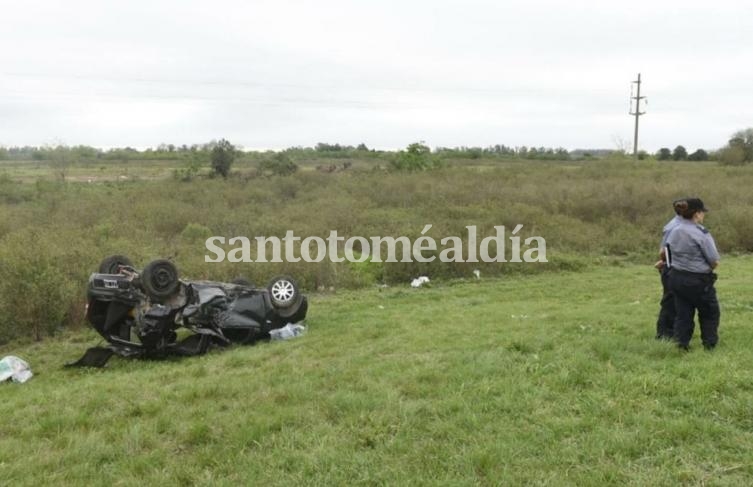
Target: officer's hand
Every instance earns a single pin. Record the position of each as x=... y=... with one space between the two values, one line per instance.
x=660 y=264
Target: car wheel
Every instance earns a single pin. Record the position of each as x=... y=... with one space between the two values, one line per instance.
x=296 y=312
x=283 y=291
x=112 y=264
x=160 y=279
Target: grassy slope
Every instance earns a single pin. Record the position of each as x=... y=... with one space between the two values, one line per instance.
x=552 y=379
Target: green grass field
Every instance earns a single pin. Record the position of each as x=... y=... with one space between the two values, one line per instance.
x=548 y=379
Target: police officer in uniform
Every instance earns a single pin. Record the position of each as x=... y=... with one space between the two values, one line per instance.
x=666 y=319
x=692 y=258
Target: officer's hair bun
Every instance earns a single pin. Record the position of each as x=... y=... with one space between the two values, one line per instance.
x=681 y=206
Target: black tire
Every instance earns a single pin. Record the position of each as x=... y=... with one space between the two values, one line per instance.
x=111 y=264
x=284 y=293
x=295 y=313
x=160 y=280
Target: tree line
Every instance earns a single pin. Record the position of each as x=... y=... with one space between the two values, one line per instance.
x=221 y=154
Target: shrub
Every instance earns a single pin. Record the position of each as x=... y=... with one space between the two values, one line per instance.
x=417 y=157
x=664 y=154
x=732 y=156
x=37 y=293
x=222 y=156
x=195 y=231
x=279 y=164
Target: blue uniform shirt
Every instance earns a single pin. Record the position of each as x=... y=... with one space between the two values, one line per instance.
x=671 y=224
x=692 y=247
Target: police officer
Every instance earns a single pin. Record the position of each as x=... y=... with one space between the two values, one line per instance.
x=666 y=319
x=692 y=258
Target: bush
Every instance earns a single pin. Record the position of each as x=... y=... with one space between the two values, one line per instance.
x=732 y=156
x=38 y=295
x=222 y=156
x=279 y=164
x=664 y=154
x=189 y=170
x=194 y=232
x=417 y=157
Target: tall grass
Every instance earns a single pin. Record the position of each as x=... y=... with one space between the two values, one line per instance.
x=52 y=235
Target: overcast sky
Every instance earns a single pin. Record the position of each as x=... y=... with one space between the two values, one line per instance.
x=275 y=74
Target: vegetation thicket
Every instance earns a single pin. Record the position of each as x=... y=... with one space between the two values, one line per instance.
x=53 y=233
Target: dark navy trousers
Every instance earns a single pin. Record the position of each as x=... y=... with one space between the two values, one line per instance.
x=693 y=292
x=665 y=323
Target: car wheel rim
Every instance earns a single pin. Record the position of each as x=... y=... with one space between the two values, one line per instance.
x=283 y=291
x=162 y=279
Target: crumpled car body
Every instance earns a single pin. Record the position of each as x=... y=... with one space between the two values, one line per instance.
x=153 y=313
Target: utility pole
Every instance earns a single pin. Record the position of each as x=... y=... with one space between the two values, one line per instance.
x=637 y=112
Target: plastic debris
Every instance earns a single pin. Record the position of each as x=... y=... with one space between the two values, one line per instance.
x=287 y=332
x=15 y=369
x=419 y=281
x=477 y=273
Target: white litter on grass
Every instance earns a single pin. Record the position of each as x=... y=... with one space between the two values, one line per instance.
x=15 y=369
x=477 y=273
x=287 y=332
x=419 y=281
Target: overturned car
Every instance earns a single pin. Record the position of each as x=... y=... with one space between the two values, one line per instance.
x=153 y=313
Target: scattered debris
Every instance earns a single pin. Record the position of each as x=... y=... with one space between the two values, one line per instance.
x=15 y=369
x=477 y=273
x=419 y=281
x=287 y=332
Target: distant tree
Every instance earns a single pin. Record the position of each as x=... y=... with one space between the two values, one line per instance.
x=3 y=153
x=416 y=157
x=60 y=160
x=222 y=157
x=642 y=155
x=279 y=164
x=84 y=153
x=474 y=152
x=362 y=147
x=732 y=155
x=699 y=155
x=664 y=154
x=324 y=147
x=744 y=140
x=680 y=153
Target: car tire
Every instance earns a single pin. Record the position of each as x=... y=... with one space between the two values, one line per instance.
x=160 y=280
x=284 y=293
x=111 y=264
x=296 y=312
